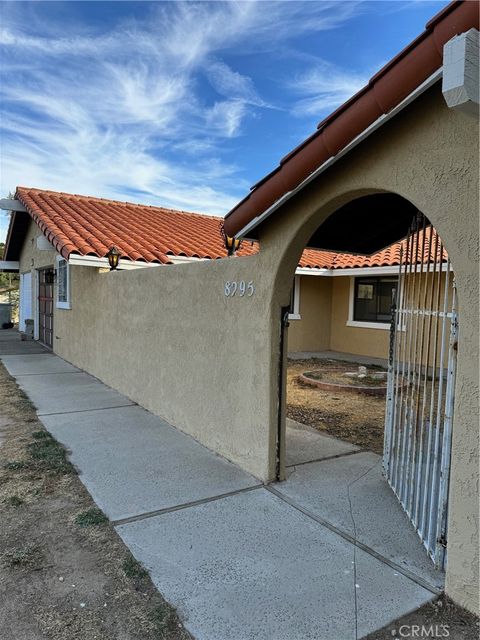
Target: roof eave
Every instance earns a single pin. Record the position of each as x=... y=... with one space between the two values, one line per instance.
x=384 y=92
x=253 y=224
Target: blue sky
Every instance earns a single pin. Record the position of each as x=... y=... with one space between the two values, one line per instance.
x=181 y=104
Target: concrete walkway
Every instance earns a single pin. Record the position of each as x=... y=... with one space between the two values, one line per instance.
x=326 y=555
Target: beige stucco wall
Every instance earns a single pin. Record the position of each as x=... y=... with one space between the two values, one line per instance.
x=312 y=331
x=429 y=155
x=358 y=340
x=31 y=257
x=366 y=341
x=169 y=338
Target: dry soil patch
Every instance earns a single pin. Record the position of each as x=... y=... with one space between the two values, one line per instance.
x=64 y=572
x=358 y=419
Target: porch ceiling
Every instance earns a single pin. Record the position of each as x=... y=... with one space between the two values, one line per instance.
x=365 y=225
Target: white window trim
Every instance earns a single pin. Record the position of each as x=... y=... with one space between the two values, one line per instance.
x=384 y=326
x=295 y=315
x=68 y=303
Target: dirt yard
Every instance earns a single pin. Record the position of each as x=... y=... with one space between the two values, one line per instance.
x=64 y=572
x=439 y=619
x=355 y=418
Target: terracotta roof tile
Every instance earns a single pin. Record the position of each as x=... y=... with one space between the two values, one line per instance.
x=389 y=257
x=85 y=225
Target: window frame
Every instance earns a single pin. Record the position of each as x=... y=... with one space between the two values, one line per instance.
x=351 y=322
x=295 y=307
x=62 y=304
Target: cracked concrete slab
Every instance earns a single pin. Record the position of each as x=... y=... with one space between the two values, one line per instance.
x=31 y=364
x=250 y=567
x=305 y=444
x=58 y=393
x=133 y=462
x=324 y=489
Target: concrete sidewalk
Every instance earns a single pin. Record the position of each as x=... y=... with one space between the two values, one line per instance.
x=238 y=560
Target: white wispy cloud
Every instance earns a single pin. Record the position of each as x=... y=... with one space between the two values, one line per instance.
x=323 y=87
x=123 y=112
x=225 y=117
x=234 y=85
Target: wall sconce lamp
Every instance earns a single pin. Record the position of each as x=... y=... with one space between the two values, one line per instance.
x=232 y=244
x=113 y=257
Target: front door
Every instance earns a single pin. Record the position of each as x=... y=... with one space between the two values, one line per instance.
x=45 y=306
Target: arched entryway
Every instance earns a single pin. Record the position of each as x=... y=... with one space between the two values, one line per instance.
x=424 y=155
x=420 y=355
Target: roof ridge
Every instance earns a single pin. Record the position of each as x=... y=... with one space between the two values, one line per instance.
x=118 y=202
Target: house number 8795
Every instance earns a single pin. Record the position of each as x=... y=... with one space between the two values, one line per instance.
x=240 y=288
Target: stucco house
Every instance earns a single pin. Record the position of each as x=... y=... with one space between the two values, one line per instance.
x=56 y=240
x=340 y=302
x=403 y=149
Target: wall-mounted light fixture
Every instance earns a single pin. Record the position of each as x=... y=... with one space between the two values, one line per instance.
x=113 y=257
x=232 y=244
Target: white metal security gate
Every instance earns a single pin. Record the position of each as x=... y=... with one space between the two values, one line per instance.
x=421 y=382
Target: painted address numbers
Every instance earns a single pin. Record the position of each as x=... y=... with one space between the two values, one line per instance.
x=240 y=288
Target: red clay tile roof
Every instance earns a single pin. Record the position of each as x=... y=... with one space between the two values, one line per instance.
x=389 y=257
x=85 y=225
x=316 y=259
x=89 y=226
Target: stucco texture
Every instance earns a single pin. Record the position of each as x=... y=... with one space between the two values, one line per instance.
x=375 y=342
x=357 y=340
x=171 y=340
x=312 y=331
x=429 y=155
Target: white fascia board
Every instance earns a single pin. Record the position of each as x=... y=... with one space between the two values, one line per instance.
x=94 y=261
x=363 y=271
x=9 y=265
x=357 y=271
x=9 y=204
x=185 y=259
x=123 y=265
x=367 y=271
x=308 y=271
x=429 y=82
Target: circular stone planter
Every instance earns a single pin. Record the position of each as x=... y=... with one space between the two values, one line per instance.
x=368 y=390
